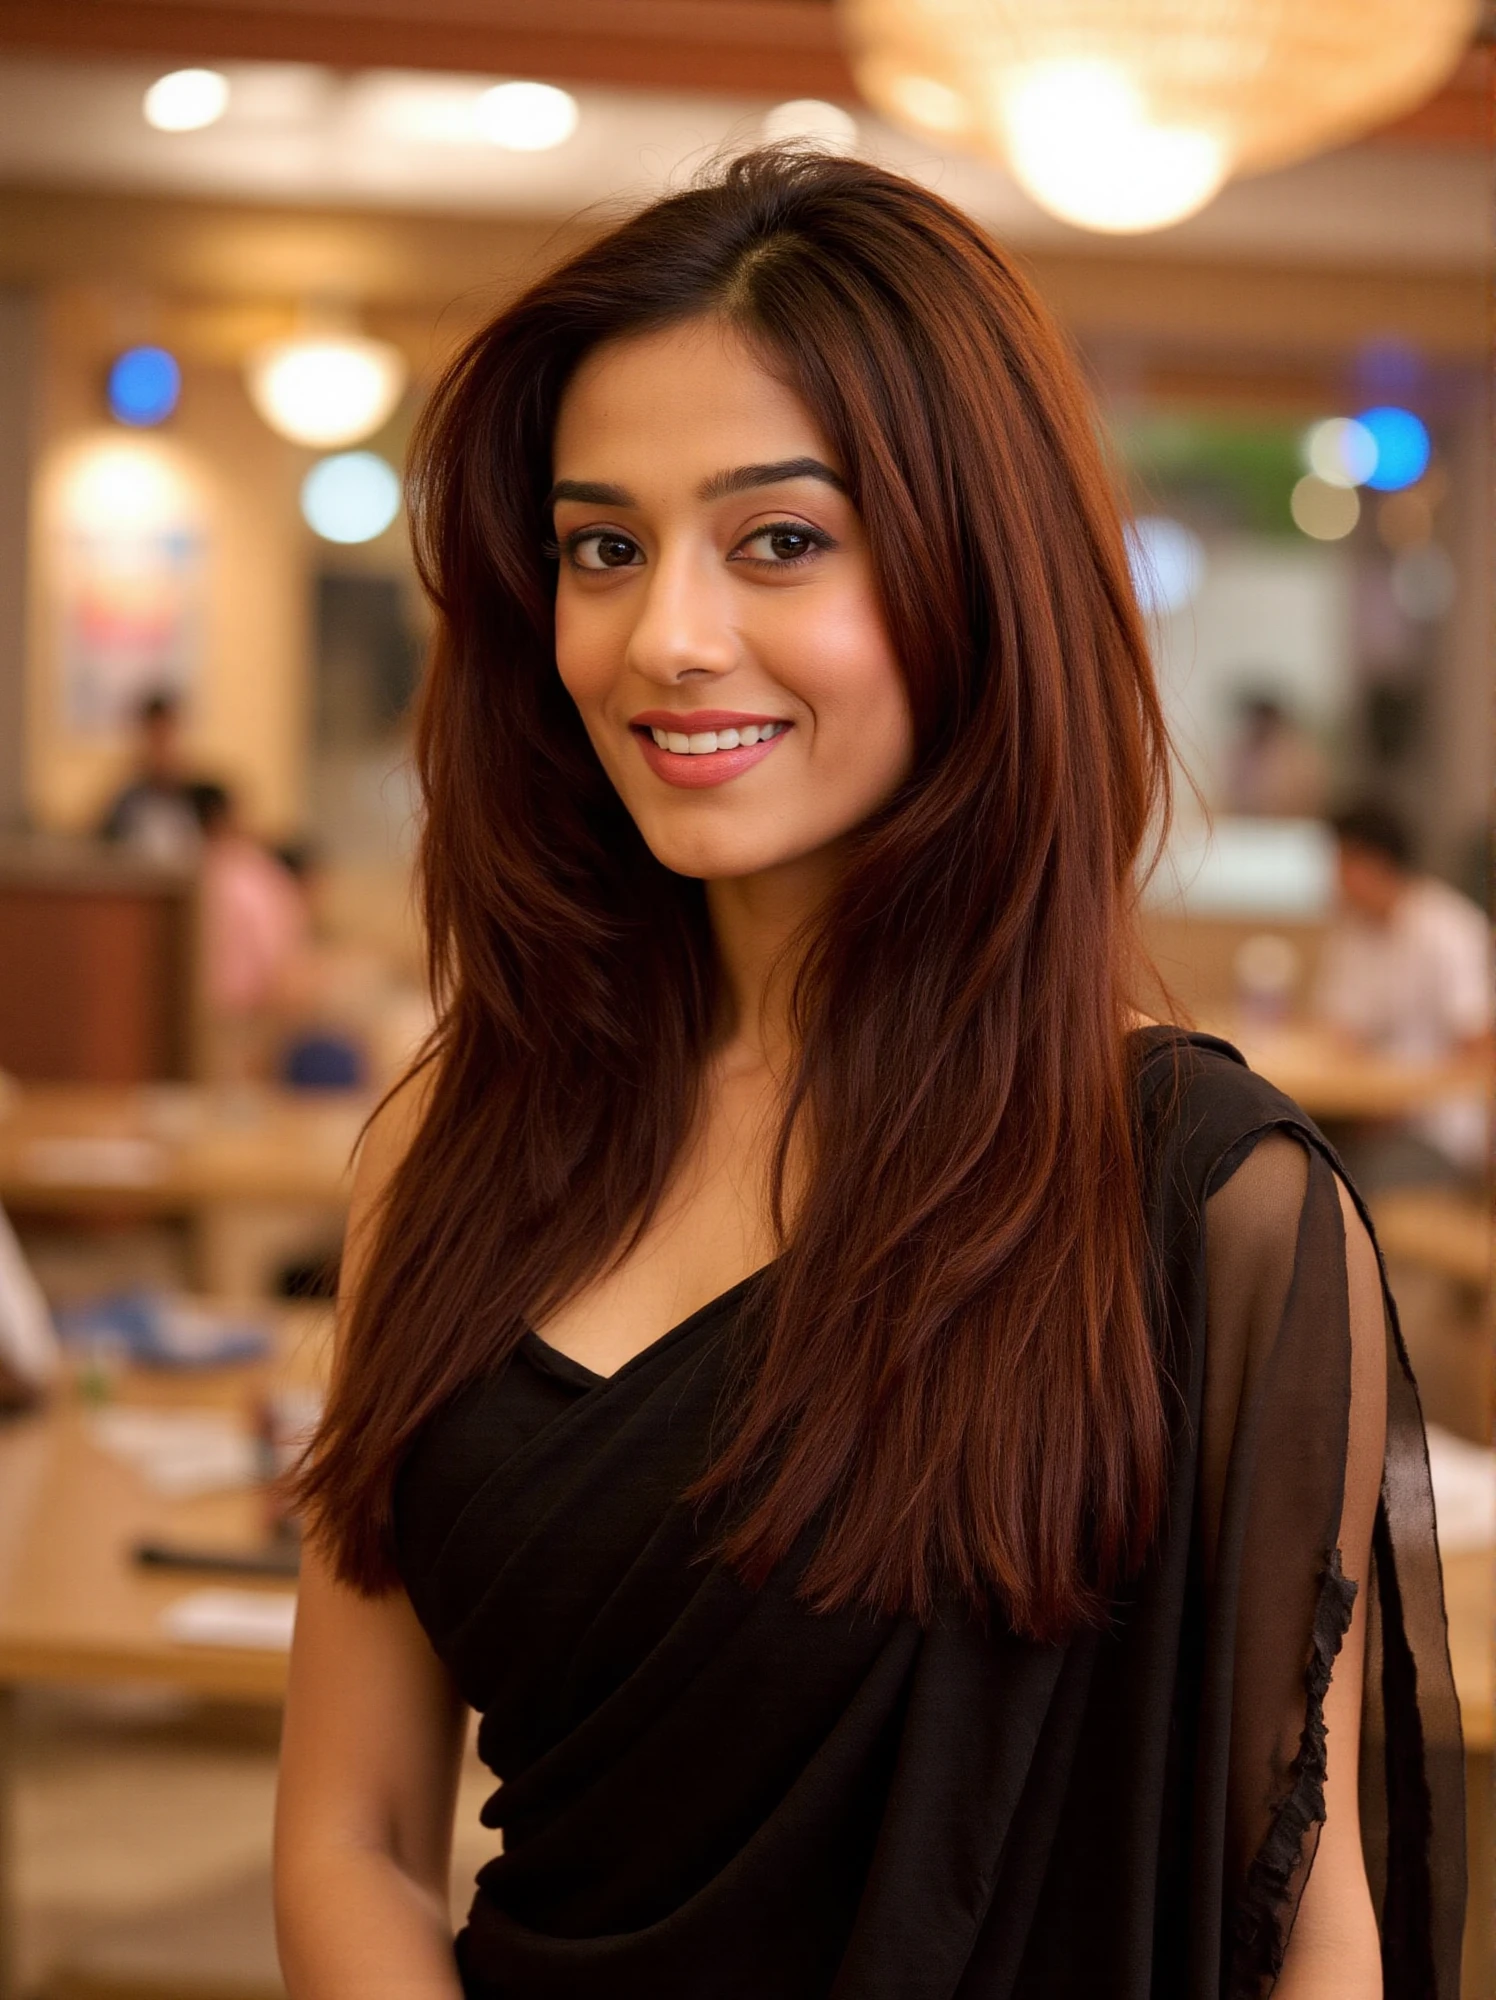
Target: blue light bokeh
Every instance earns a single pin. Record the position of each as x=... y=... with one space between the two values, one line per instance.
x=144 y=384
x=1402 y=443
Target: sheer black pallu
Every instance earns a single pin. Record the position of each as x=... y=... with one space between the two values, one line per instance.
x=711 y=1794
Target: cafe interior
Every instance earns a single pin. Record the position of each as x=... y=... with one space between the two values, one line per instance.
x=237 y=245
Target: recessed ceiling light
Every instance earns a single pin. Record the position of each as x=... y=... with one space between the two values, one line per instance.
x=526 y=117
x=185 y=100
x=812 y=120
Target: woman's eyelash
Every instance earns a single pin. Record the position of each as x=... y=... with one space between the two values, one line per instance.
x=817 y=537
x=567 y=545
x=553 y=548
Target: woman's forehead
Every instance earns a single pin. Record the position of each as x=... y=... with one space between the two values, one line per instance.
x=679 y=403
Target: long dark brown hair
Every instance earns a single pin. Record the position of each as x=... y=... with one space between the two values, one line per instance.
x=954 y=1384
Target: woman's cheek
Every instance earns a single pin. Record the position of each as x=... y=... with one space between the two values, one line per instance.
x=584 y=657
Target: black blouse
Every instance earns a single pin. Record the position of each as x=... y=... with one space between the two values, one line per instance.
x=712 y=1793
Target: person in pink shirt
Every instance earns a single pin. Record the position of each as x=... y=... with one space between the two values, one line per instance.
x=255 y=921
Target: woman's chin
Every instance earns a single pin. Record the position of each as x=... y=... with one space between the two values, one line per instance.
x=722 y=855
x=715 y=861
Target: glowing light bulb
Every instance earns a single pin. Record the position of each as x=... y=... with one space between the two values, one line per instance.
x=925 y=102
x=810 y=119
x=185 y=100
x=350 y=498
x=123 y=484
x=1080 y=141
x=327 y=390
x=1340 y=451
x=526 y=117
x=1324 y=512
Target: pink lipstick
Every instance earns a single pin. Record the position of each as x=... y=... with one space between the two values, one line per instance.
x=705 y=746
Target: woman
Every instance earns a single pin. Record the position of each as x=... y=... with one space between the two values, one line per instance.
x=890 y=1446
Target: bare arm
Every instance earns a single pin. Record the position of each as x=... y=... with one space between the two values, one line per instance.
x=369 y=1759
x=1334 y=1952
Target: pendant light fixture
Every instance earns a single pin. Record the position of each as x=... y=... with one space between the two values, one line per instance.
x=327 y=387
x=1125 y=115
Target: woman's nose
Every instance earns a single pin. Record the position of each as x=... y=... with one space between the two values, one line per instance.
x=683 y=626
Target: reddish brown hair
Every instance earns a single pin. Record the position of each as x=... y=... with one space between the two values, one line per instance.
x=956 y=1376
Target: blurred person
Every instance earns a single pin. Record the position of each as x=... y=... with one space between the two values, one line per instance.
x=797 y=1373
x=254 y=915
x=1405 y=969
x=154 y=812
x=350 y=1014
x=1273 y=767
x=29 y=1354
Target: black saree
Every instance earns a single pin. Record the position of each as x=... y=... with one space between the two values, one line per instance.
x=710 y=1793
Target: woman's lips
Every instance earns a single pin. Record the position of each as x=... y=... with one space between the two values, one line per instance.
x=695 y=773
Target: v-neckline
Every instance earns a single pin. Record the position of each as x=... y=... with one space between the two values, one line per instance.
x=555 y=1361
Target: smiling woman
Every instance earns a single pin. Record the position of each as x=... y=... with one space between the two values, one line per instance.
x=914 y=1466
x=716 y=596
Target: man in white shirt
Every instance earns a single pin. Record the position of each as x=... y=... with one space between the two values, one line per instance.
x=1406 y=968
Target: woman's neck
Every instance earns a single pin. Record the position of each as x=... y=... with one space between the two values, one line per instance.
x=760 y=923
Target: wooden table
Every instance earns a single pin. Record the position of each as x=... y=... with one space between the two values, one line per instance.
x=1332 y=1079
x=74 y=1607
x=172 y=1148
x=237 y=1165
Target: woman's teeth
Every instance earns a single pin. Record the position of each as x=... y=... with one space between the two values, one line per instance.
x=705 y=741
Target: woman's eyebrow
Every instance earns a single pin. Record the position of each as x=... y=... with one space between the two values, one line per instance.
x=742 y=477
x=591 y=492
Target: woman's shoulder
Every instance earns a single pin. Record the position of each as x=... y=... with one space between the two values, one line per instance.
x=1202 y=1109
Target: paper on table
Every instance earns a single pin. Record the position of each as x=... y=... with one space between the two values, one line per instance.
x=95 y=1161
x=259 y=1618
x=1464 y=1477
x=180 y=1452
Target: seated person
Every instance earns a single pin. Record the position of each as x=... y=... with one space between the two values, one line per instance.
x=154 y=813
x=254 y=915
x=1405 y=969
x=1273 y=767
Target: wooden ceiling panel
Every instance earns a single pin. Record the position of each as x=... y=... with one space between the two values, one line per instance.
x=777 y=48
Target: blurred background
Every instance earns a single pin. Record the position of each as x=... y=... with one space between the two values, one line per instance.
x=237 y=243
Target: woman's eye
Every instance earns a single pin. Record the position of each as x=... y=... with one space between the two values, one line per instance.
x=783 y=543
x=602 y=550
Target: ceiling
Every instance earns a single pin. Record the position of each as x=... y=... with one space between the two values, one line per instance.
x=777 y=48
x=304 y=133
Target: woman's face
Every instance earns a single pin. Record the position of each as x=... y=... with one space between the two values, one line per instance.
x=717 y=620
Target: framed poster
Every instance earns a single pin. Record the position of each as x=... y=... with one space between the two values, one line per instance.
x=130 y=551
